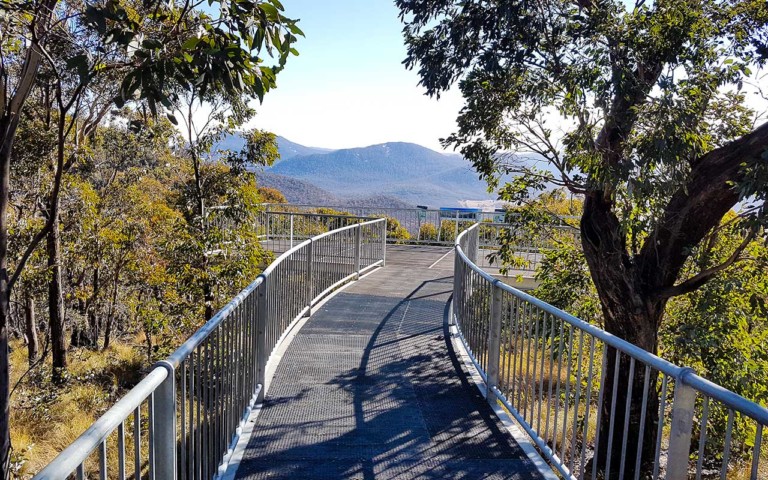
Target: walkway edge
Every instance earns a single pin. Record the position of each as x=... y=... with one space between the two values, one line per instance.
x=272 y=363
x=506 y=420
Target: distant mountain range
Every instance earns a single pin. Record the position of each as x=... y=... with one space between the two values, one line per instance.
x=390 y=174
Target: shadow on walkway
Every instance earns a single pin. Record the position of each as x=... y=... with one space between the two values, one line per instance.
x=371 y=388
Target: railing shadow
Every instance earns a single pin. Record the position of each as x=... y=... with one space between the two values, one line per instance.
x=414 y=411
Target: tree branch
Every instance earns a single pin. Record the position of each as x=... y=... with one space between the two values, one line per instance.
x=706 y=275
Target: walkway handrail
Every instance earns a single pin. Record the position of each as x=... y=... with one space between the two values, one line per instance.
x=193 y=404
x=507 y=331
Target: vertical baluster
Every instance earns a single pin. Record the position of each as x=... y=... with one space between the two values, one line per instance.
x=660 y=429
x=553 y=329
x=543 y=348
x=612 y=418
x=121 y=451
x=577 y=398
x=756 y=451
x=702 y=437
x=137 y=443
x=727 y=446
x=535 y=341
x=627 y=408
x=557 y=385
x=587 y=408
x=601 y=392
x=528 y=340
x=565 y=443
x=643 y=411
x=103 y=460
x=183 y=419
x=151 y=432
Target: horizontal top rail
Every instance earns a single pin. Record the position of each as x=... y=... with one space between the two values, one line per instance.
x=76 y=453
x=203 y=332
x=240 y=338
x=685 y=375
x=630 y=349
x=318 y=215
x=348 y=227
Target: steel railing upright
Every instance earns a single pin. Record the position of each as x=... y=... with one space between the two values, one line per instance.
x=550 y=370
x=183 y=419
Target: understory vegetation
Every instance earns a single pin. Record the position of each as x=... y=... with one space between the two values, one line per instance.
x=719 y=330
x=146 y=258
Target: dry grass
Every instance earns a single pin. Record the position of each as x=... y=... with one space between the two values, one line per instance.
x=46 y=418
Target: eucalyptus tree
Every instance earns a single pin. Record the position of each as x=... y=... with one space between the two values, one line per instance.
x=644 y=110
x=150 y=48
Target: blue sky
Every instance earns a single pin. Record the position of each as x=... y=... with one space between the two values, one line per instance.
x=348 y=87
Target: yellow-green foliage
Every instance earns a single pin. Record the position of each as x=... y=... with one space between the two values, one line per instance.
x=395 y=230
x=428 y=231
x=45 y=418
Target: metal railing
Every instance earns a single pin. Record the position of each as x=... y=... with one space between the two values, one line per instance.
x=183 y=419
x=588 y=399
x=431 y=226
x=528 y=251
x=282 y=230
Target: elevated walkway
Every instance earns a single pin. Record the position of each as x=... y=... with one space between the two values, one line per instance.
x=371 y=387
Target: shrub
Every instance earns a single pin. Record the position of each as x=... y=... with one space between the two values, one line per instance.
x=428 y=231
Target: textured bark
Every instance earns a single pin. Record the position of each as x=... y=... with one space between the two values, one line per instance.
x=30 y=325
x=56 y=300
x=634 y=290
x=111 y=313
x=8 y=126
x=632 y=314
x=93 y=318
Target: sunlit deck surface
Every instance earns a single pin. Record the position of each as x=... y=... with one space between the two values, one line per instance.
x=372 y=388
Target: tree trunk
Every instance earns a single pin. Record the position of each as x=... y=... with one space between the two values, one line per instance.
x=8 y=126
x=93 y=318
x=631 y=313
x=33 y=344
x=55 y=298
x=208 y=299
x=111 y=312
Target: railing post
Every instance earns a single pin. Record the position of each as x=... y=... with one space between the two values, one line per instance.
x=165 y=424
x=358 y=242
x=494 y=343
x=310 y=255
x=456 y=227
x=384 y=243
x=680 y=429
x=261 y=339
x=457 y=278
x=291 y=230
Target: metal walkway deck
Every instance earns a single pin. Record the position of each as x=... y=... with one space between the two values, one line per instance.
x=371 y=388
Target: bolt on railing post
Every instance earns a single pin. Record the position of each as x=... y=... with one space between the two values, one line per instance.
x=358 y=242
x=261 y=339
x=309 y=293
x=494 y=343
x=680 y=429
x=165 y=424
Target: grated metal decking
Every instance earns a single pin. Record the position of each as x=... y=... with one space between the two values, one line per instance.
x=371 y=388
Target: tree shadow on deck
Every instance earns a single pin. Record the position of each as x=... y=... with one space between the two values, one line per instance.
x=406 y=409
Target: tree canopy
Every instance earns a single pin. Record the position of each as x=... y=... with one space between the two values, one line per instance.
x=644 y=110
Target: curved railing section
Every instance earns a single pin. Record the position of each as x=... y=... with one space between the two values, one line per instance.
x=184 y=418
x=553 y=372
